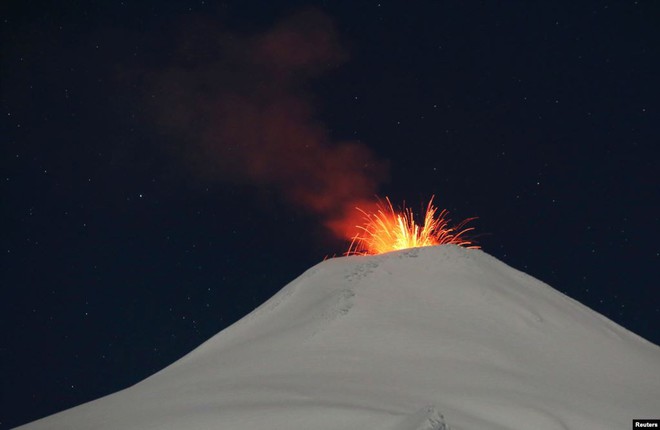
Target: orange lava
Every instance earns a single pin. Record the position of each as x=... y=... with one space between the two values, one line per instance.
x=389 y=230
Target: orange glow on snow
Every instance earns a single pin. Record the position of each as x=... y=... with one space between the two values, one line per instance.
x=387 y=230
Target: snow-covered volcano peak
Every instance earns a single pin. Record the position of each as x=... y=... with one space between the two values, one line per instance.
x=427 y=338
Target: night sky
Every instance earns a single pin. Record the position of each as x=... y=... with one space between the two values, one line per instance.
x=167 y=166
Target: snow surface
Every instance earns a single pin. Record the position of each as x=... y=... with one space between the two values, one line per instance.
x=424 y=339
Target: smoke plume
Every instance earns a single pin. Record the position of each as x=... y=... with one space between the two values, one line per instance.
x=242 y=106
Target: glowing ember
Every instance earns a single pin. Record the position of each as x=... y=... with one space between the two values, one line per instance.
x=390 y=230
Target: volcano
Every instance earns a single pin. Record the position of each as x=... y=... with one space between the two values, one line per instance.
x=429 y=338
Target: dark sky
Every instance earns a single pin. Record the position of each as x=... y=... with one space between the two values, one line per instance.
x=167 y=166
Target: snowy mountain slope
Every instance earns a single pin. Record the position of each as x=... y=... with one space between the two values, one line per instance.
x=422 y=339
